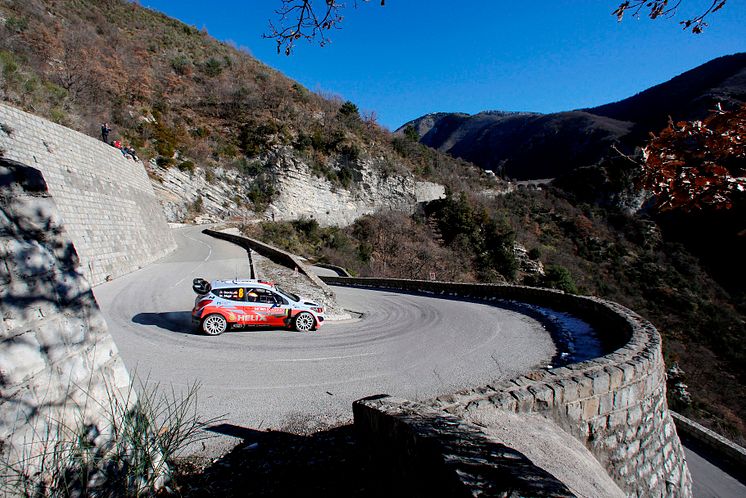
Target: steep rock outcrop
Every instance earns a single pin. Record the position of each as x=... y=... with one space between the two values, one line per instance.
x=302 y=194
x=222 y=193
x=197 y=195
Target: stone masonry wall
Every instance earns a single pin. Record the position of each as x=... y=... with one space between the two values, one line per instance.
x=433 y=453
x=58 y=364
x=615 y=405
x=106 y=201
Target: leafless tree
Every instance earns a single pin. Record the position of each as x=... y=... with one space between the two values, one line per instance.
x=306 y=19
x=664 y=8
x=313 y=19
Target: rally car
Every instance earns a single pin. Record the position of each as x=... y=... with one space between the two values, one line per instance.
x=224 y=304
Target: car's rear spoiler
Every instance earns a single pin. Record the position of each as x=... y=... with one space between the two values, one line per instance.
x=201 y=286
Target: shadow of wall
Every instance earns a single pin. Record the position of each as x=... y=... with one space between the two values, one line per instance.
x=59 y=367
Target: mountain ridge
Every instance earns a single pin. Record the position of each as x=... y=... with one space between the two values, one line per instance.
x=527 y=145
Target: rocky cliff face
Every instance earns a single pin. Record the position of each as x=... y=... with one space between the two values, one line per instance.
x=222 y=193
x=302 y=194
x=200 y=196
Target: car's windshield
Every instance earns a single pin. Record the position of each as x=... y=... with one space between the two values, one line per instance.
x=290 y=295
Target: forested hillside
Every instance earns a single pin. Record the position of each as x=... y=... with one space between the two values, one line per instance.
x=184 y=99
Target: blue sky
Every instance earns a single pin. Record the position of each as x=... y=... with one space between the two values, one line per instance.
x=413 y=57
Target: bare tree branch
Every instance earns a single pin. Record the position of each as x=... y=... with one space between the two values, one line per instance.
x=313 y=19
x=306 y=19
x=665 y=8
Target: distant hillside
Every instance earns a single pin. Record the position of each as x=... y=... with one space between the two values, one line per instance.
x=530 y=146
x=688 y=96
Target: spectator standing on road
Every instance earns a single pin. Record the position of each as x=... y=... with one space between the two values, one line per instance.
x=105 y=132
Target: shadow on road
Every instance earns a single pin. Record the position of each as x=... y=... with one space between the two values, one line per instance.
x=329 y=463
x=181 y=322
x=174 y=321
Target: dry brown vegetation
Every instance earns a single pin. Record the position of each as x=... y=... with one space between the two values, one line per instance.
x=181 y=97
x=585 y=249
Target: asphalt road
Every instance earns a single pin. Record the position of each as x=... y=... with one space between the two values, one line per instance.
x=709 y=481
x=415 y=347
x=411 y=346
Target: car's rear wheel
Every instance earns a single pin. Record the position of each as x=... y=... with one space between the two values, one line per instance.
x=304 y=322
x=214 y=324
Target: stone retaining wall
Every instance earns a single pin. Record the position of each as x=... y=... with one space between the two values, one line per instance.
x=106 y=201
x=615 y=405
x=729 y=456
x=59 y=367
x=433 y=453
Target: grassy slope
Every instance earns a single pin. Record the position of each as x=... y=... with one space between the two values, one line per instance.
x=180 y=96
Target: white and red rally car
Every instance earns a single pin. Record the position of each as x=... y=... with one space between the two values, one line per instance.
x=222 y=304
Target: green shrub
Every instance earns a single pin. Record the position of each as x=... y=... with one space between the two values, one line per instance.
x=349 y=152
x=186 y=166
x=58 y=115
x=56 y=94
x=254 y=137
x=558 y=277
x=261 y=192
x=349 y=109
x=303 y=142
x=8 y=63
x=166 y=139
x=252 y=167
x=180 y=64
x=212 y=67
x=410 y=132
x=199 y=132
x=301 y=94
x=17 y=24
x=307 y=226
x=165 y=162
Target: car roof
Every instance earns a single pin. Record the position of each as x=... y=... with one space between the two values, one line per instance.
x=221 y=284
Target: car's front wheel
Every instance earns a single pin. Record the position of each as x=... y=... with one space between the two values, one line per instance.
x=304 y=322
x=214 y=324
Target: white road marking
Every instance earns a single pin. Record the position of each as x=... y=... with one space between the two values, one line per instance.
x=193 y=271
x=292 y=360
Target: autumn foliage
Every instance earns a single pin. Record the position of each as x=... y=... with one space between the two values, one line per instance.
x=694 y=165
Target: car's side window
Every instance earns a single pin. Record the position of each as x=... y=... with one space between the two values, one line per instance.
x=279 y=299
x=230 y=293
x=252 y=295
x=266 y=297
